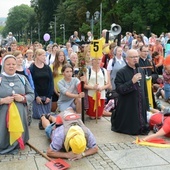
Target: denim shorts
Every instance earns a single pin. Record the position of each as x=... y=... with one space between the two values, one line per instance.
x=49 y=129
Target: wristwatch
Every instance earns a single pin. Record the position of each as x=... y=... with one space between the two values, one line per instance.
x=83 y=154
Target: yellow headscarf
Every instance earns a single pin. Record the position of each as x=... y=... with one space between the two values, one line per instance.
x=75 y=139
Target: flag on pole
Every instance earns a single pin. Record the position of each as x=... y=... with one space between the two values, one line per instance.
x=14 y=125
x=149 y=88
x=96 y=98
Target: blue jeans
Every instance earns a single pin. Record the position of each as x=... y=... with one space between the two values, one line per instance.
x=167 y=91
x=49 y=129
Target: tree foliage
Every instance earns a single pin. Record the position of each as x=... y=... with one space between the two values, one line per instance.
x=131 y=15
x=18 y=18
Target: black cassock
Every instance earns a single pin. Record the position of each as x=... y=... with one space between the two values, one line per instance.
x=130 y=115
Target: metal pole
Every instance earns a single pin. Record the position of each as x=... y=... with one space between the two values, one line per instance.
x=38 y=32
x=55 y=29
x=92 y=24
x=100 y=19
x=31 y=35
x=63 y=33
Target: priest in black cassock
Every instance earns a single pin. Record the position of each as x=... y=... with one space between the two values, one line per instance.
x=130 y=114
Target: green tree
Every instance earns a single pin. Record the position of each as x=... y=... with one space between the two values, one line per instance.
x=17 y=20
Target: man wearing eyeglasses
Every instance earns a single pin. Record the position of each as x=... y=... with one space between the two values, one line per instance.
x=130 y=115
x=147 y=65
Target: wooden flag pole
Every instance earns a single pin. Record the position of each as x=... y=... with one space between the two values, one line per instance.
x=96 y=53
x=82 y=102
x=38 y=151
x=96 y=99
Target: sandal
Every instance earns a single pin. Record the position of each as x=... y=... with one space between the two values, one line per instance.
x=40 y=125
x=47 y=116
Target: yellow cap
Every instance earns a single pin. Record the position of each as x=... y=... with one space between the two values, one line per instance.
x=75 y=139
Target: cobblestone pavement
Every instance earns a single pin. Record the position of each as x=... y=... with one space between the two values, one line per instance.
x=98 y=161
x=116 y=152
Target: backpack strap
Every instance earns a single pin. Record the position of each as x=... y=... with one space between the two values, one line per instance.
x=103 y=74
x=114 y=61
x=49 y=59
x=22 y=79
x=89 y=72
x=89 y=69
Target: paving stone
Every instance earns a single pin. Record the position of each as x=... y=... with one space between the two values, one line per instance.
x=116 y=152
x=135 y=158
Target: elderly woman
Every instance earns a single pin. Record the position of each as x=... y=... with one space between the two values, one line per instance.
x=15 y=92
x=43 y=82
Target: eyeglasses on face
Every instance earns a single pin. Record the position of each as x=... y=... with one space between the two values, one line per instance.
x=133 y=57
x=145 y=51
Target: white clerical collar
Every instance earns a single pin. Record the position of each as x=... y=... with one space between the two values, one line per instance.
x=144 y=58
x=7 y=75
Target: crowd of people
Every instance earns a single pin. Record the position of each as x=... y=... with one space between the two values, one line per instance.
x=39 y=81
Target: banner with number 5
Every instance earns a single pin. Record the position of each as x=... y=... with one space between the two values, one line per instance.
x=96 y=49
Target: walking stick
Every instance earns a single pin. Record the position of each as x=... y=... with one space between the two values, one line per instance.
x=82 y=70
x=38 y=151
x=82 y=102
x=96 y=99
x=53 y=163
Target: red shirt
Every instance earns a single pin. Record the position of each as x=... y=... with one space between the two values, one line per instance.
x=157 y=119
x=158 y=61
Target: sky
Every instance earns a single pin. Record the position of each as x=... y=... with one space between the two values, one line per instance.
x=5 y=5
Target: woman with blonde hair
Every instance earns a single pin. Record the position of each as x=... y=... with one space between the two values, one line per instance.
x=87 y=55
x=29 y=58
x=56 y=67
x=43 y=82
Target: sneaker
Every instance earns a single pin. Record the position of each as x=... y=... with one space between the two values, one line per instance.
x=47 y=116
x=158 y=93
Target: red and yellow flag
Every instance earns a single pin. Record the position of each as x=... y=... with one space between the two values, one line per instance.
x=156 y=142
x=14 y=125
x=96 y=98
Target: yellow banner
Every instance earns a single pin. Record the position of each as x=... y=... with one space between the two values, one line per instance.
x=149 y=87
x=96 y=49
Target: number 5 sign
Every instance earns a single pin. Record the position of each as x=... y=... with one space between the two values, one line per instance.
x=96 y=49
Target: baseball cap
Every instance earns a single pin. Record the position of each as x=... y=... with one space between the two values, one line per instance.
x=75 y=139
x=10 y=33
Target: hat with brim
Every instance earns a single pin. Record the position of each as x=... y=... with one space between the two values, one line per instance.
x=75 y=139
